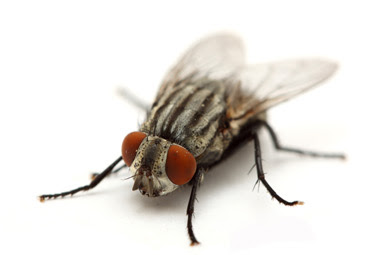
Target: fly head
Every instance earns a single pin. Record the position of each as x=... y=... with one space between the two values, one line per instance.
x=158 y=166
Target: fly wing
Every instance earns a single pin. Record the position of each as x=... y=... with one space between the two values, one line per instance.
x=221 y=57
x=216 y=57
x=274 y=83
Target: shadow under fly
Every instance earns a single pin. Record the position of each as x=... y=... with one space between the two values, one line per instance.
x=210 y=103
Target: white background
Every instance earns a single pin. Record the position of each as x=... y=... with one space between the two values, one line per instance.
x=60 y=63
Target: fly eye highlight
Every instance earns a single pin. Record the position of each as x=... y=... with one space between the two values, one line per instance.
x=130 y=146
x=180 y=165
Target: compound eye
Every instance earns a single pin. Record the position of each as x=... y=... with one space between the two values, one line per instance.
x=130 y=146
x=180 y=165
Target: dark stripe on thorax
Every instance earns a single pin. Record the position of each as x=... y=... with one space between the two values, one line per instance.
x=160 y=109
x=176 y=112
x=202 y=110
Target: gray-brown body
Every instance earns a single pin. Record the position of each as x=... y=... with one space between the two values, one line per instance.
x=200 y=106
x=194 y=114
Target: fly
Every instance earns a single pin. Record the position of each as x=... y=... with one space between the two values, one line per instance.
x=210 y=103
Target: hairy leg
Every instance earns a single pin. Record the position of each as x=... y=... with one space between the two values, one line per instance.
x=261 y=175
x=92 y=184
x=190 y=207
x=278 y=146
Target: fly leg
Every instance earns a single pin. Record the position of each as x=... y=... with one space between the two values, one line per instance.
x=92 y=184
x=190 y=206
x=115 y=171
x=278 y=146
x=261 y=175
x=128 y=96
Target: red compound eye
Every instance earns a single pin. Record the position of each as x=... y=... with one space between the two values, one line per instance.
x=180 y=165
x=130 y=146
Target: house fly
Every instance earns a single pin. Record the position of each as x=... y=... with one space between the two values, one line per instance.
x=210 y=103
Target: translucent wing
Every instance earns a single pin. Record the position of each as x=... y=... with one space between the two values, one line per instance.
x=273 y=83
x=265 y=85
x=217 y=57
